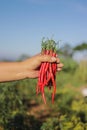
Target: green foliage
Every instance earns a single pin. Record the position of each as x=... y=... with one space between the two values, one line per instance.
x=69 y=64
x=49 y=44
x=10 y=102
x=23 y=122
x=50 y=124
x=64 y=122
x=82 y=110
x=66 y=50
x=23 y=57
x=81 y=47
x=12 y=106
x=69 y=111
x=81 y=72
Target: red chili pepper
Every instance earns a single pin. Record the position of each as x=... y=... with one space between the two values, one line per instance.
x=47 y=73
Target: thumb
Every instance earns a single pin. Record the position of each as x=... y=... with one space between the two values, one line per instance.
x=47 y=58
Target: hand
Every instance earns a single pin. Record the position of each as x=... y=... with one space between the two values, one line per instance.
x=32 y=64
x=11 y=71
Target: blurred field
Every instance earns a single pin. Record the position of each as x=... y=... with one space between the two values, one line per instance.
x=22 y=109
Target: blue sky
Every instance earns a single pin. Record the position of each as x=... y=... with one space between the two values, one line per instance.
x=23 y=24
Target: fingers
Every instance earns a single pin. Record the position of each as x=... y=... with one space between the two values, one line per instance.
x=59 y=66
x=47 y=58
x=59 y=69
x=58 y=60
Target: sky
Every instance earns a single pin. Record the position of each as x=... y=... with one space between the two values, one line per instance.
x=23 y=24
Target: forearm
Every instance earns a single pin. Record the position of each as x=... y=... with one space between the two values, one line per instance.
x=10 y=71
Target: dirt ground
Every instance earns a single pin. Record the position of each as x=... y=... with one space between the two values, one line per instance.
x=40 y=111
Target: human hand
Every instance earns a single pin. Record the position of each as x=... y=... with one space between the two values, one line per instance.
x=32 y=65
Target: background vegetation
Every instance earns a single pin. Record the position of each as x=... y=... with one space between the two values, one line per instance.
x=22 y=109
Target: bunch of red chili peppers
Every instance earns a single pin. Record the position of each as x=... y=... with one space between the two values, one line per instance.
x=47 y=74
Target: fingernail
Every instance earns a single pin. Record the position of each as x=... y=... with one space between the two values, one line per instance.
x=53 y=59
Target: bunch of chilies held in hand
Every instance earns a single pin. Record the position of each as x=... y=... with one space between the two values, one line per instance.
x=47 y=73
